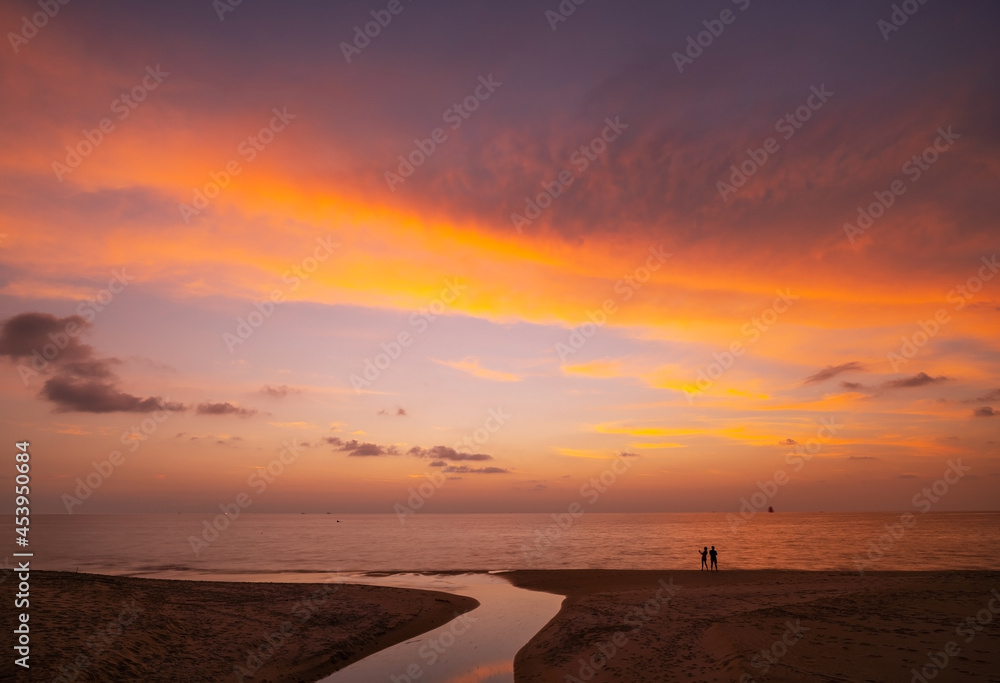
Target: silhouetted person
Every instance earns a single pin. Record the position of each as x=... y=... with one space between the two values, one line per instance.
x=704 y=557
x=715 y=556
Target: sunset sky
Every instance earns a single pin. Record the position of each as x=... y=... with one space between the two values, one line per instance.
x=507 y=246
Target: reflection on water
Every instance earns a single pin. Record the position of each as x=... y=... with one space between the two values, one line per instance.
x=151 y=544
x=476 y=647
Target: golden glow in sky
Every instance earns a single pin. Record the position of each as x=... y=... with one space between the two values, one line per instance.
x=585 y=252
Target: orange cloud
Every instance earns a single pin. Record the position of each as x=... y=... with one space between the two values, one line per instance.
x=472 y=367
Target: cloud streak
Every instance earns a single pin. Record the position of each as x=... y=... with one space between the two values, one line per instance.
x=921 y=379
x=224 y=408
x=988 y=397
x=100 y=397
x=831 y=371
x=472 y=367
x=446 y=453
x=465 y=469
x=280 y=391
x=359 y=449
x=440 y=456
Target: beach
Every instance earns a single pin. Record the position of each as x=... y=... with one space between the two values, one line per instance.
x=613 y=626
x=88 y=627
x=765 y=625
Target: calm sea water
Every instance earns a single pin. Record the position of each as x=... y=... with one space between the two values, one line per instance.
x=289 y=544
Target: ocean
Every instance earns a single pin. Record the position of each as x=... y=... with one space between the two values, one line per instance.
x=294 y=546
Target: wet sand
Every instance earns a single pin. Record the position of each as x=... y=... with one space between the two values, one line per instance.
x=88 y=627
x=613 y=626
x=765 y=625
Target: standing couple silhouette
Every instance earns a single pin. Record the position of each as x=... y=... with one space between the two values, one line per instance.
x=704 y=559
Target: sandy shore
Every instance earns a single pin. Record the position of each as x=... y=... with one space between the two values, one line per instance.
x=765 y=625
x=613 y=626
x=87 y=627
